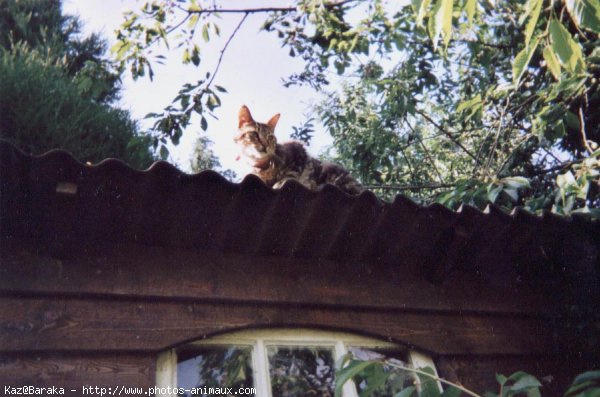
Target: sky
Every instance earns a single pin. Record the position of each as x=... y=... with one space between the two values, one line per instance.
x=252 y=70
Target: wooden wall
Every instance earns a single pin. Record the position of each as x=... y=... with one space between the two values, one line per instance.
x=101 y=316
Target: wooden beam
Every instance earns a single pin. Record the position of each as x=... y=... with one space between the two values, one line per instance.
x=72 y=324
x=140 y=271
x=70 y=371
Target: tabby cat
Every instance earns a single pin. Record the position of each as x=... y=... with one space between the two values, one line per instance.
x=276 y=163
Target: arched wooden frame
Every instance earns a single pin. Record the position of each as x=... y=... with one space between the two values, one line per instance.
x=260 y=339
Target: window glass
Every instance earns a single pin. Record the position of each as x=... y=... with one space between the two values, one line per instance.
x=285 y=363
x=214 y=366
x=300 y=372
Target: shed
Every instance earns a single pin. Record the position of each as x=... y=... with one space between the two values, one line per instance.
x=104 y=268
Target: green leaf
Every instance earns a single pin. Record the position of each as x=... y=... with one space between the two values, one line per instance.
x=186 y=56
x=340 y=67
x=524 y=383
x=447 y=21
x=429 y=386
x=353 y=43
x=588 y=383
x=195 y=58
x=120 y=48
x=376 y=377
x=440 y=21
x=501 y=379
x=572 y=120
x=567 y=50
x=492 y=195
x=512 y=193
x=117 y=46
x=194 y=6
x=522 y=60
x=407 y=392
x=185 y=101
x=451 y=391
x=552 y=62
x=348 y=372
x=470 y=103
x=534 y=392
x=470 y=8
x=568 y=87
x=516 y=182
x=213 y=101
x=164 y=152
x=205 y=34
x=517 y=375
x=420 y=8
x=557 y=131
x=193 y=21
x=588 y=376
x=332 y=44
x=585 y=14
x=535 y=6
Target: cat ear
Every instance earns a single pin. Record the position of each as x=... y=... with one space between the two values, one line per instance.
x=244 y=116
x=273 y=121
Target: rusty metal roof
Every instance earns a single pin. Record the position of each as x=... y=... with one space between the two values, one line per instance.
x=57 y=203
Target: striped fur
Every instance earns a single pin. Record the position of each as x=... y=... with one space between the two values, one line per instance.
x=276 y=163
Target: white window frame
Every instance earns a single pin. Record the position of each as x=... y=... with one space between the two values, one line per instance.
x=260 y=339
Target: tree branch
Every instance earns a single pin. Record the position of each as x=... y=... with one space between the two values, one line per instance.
x=410 y=187
x=237 y=10
x=225 y=48
x=334 y=4
x=497 y=137
x=584 y=140
x=491 y=45
x=446 y=133
x=513 y=152
x=429 y=157
x=557 y=168
x=178 y=25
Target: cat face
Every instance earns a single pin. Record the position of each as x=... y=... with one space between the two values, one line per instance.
x=256 y=140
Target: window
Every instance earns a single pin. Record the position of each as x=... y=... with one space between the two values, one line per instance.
x=278 y=363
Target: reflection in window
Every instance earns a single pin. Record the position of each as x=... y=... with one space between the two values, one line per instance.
x=300 y=372
x=214 y=366
x=284 y=363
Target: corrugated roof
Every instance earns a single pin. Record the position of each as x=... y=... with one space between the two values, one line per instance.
x=58 y=202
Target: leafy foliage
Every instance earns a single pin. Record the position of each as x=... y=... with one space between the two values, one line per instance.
x=41 y=25
x=139 y=32
x=454 y=101
x=56 y=88
x=42 y=108
x=427 y=383
x=204 y=158
x=304 y=132
x=585 y=385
